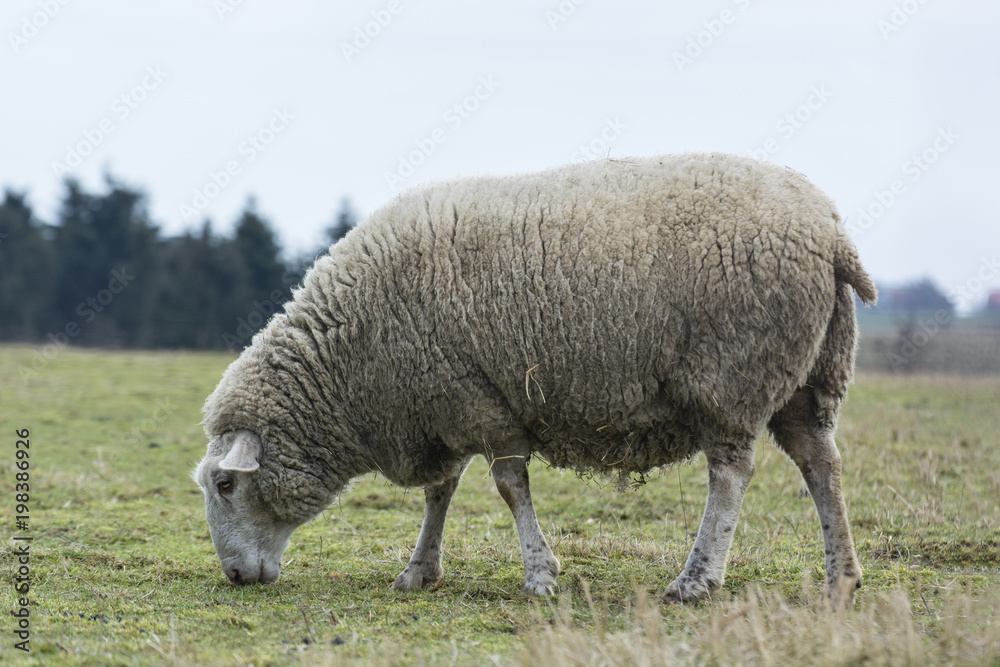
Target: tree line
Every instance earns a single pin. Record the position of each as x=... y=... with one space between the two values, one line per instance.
x=103 y=274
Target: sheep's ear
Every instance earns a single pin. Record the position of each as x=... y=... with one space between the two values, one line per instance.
x=245 y=454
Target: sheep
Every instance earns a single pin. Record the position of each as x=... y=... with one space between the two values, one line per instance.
x=611 y=317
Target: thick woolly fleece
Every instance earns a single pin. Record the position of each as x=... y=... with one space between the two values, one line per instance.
x=609 y=317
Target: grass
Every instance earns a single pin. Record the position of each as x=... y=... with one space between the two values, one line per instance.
x=124 y=571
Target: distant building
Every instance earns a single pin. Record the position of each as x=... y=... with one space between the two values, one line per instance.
x=918 y=296
x=993 y=303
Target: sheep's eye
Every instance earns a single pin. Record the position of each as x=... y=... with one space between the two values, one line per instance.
x=224 y=485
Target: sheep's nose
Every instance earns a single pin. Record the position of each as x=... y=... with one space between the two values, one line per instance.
x=235 y=576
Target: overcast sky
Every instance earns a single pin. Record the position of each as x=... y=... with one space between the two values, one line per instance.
x=891 y=106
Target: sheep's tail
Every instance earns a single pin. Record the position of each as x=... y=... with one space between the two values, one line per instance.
x=847 y=268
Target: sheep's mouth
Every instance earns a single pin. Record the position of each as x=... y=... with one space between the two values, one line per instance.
x=241 y=574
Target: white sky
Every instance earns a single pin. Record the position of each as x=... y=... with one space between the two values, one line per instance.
x=879 y=97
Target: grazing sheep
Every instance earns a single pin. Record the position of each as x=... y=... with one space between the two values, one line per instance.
x=609 y=317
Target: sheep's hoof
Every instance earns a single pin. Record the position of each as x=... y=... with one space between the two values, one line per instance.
x=540 y=584
x=414 y=578
x=540 y=576
x=839 y=594
x=686 y=589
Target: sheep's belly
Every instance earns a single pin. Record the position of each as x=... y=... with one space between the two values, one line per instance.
x=618 y=453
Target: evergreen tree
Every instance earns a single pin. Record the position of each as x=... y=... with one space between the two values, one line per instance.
x=26 y=271
x=106 y=256
x=102 y=275
x=345 y=221
x=202 y=292
x=254 y=241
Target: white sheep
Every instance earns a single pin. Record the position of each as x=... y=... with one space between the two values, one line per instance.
x=608 y=317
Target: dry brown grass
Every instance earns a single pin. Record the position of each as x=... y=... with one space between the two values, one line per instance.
x=764 y=629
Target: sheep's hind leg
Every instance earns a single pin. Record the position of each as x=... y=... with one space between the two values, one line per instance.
x=730 y=468
x=424 y=568
x=804 y=430
x=540 y=565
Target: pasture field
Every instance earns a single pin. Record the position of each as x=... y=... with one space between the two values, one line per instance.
x=123 y=571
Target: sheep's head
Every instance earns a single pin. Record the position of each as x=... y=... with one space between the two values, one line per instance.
x=250 y=534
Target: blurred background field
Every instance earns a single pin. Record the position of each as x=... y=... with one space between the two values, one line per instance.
x=125 y=572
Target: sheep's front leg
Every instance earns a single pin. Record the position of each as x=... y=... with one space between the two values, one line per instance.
x=540 y=565
x=730 y=468
x=424 y=567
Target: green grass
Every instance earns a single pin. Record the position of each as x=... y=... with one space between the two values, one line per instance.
x=124 y=570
